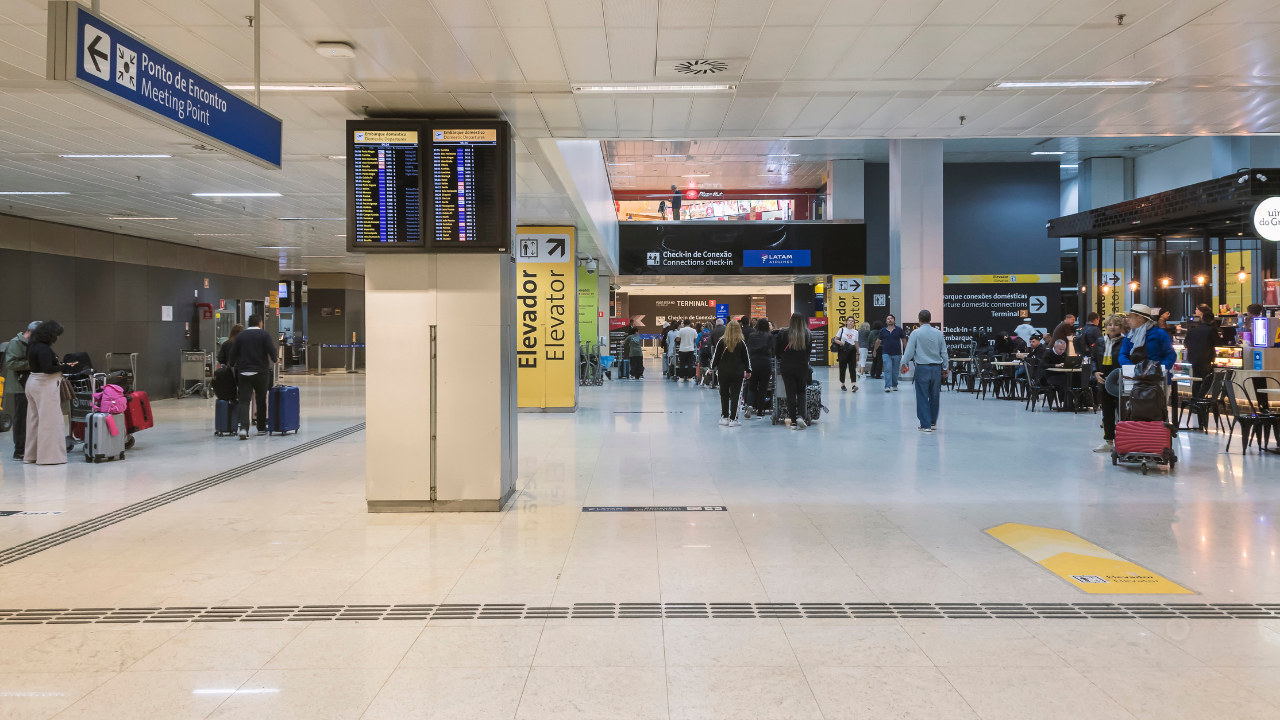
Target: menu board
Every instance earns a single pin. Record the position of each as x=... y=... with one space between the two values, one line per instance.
x=385 y=200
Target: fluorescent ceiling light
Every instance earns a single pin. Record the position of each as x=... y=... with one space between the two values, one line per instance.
x=783 y=155
x=84 y=156
x=1005 y=85
x=644 y=284
x=236 y=194
x=695 y=176
x=31 y=192
x=681 y=155
x=1069 y=166
x=341 y=218
x=278 y=247
x=340 y=235
x=1049 y=152
x=652 y=88
x=135 y=217
x=296 y=87
x=219 y=234
x=618 y=164
x=304 y=257
x=337 y=157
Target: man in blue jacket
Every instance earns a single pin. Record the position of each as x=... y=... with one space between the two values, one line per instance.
x=1145 y=341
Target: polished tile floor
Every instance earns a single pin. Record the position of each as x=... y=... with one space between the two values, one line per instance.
x=860 y=508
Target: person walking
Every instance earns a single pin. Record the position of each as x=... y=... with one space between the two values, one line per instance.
x=760 y=347
x=688 y=338
x=927 y=348
x=673 y=332
x=1104 y=358
x=864 y=347
x=225 y=351
x=792 y=351
x=16 y=370
x=733 y=362
x=46 y=442
x=847 y=340
x=252 y=355
x=635 y=353
x=877 y=351
x=891 y=345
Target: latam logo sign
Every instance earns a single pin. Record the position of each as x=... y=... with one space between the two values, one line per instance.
x=775 y=258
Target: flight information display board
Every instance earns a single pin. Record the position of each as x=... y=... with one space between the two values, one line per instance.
x=467 y=188
x=384 y=199
x=438 y=185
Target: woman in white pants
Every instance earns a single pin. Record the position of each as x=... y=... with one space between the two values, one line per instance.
x=46 y=435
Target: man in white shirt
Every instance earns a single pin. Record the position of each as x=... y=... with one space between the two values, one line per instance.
x=1025 y=331
x=688 y=338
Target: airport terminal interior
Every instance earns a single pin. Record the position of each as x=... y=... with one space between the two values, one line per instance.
x=715 y=360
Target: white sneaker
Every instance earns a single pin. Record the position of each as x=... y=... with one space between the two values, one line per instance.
x=244 y=433
x=888 y=389
x=724 y=421
x=1105 y=447
x=800 y=422
x=734 y=423
x=895 y=388
x=794 y=425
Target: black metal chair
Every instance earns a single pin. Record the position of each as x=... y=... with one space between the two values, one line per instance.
x=1266 y=406
x=1210 y=401
x=1249 y=421
x=987 y=377
x=1035 y=389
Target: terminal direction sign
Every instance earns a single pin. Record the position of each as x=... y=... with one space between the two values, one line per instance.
x=114 y=64
x=546 y=326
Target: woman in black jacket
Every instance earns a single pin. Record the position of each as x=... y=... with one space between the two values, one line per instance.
x=1104 y=358
x=760 y=348
x=793 y=365
x=1202 y=343
x=733 y=362
x=46 y=440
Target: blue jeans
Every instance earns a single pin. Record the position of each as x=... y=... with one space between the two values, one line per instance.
x=928 y=394
x=892 y=364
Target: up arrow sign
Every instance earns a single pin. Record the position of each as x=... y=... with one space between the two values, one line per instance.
x=556 y=246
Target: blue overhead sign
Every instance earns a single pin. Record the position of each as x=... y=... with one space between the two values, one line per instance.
x=112 y=63
x=775 y=258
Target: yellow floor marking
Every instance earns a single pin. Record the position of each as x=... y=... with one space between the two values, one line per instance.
x=1081 y=563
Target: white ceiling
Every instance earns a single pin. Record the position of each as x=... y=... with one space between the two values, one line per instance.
x=825 y=68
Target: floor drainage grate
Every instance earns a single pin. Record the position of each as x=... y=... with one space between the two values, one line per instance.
x=31 y=547
x=705 y=611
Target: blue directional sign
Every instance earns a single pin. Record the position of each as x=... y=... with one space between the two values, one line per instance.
x=112 y=63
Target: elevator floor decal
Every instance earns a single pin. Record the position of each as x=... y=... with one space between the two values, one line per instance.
x=1081 y=563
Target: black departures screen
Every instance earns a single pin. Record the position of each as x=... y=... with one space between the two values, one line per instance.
x=386 y=189
x=418 y=184
x=465 y=182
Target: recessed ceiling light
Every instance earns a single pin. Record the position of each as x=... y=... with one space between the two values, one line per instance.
x=1049 y=152
x=336 y=157
x=1068 y=166
x=340 y=235
x=134 y=217
x=299 y=218
x=31 y=192
x=296 y=87
x=695 y=176
x=236 y=194
x=278 y=247
x=1013 y=85
x=651 y=88
x=86 y=156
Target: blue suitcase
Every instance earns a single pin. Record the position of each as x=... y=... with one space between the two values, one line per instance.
x=283 y=409
x=225 y=418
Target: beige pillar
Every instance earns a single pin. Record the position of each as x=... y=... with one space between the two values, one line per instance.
x=468 y=300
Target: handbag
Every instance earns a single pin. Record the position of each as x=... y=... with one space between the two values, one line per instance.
x=66 y=393
x=836 y=347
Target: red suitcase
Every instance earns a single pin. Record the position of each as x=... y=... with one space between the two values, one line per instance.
x=1147 y=438
x=137 y=416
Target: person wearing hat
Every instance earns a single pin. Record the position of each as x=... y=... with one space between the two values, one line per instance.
x=1105 y=361
x=1146 y=341
x=16 y=370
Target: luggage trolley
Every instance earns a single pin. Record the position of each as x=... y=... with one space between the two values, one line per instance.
x=194 y=368
x=124 y=367
x=1145 y=459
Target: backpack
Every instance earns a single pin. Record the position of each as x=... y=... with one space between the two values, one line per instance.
x=110 y=399
x=758 y=343
x=1146 y=400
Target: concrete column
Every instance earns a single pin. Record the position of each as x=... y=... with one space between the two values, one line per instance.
x=845 y=190
x=470 y=302
x=603 y=283
x=915 y=228
x=1104 y=181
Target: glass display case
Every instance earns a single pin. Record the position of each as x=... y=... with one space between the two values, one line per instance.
x=1229 y=356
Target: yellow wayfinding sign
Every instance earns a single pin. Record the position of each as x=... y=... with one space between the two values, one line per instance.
x=546 y=312
x=1083 y=564
x=847 y=300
